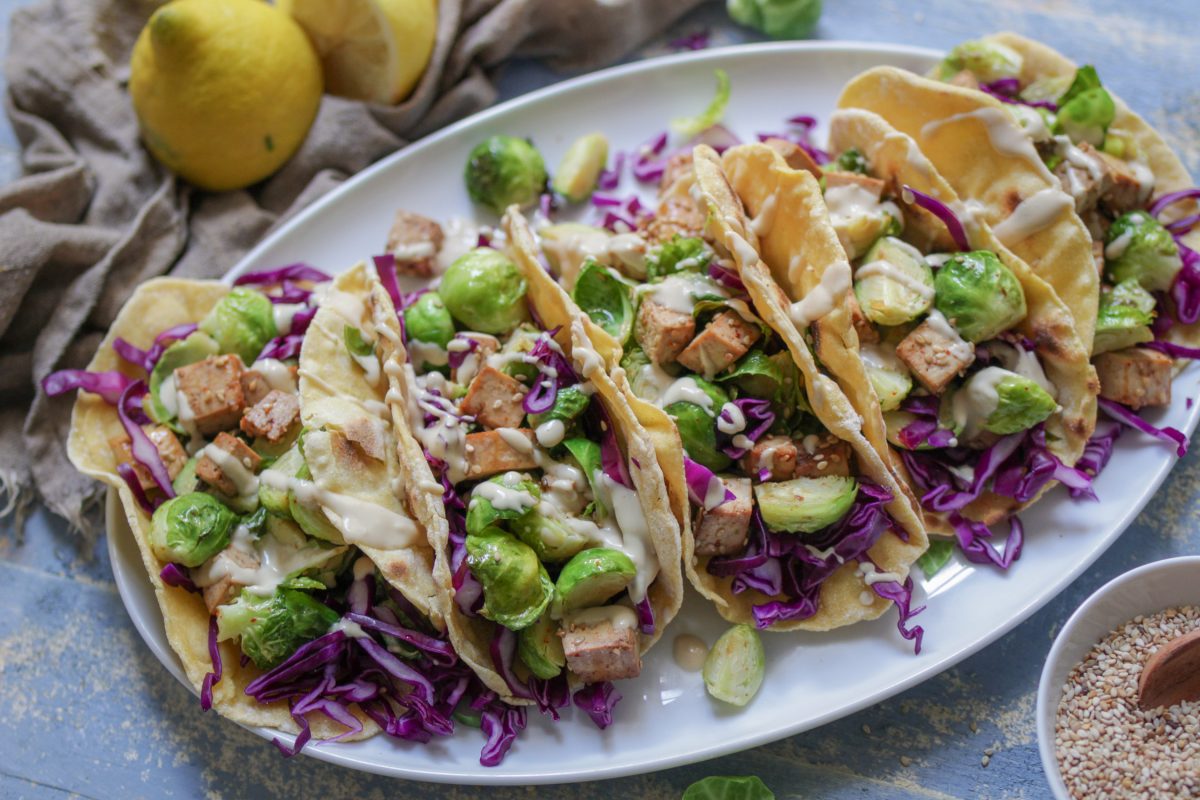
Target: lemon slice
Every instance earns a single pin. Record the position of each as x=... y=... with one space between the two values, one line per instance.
x=369 y=49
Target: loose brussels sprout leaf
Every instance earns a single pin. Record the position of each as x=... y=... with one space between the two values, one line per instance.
x=1124 y=318
x=1137 y=246
x=581 y=166
x=355 y=343
x=591 y=577
x=720 y=787
x=859 y=220
x=272 y=628
x=805 y=505
x=196 y=347
x=893 y=285
x=310 y=517
x=242 y=322
x=276 y=500
x=502 y=170
x=516 y=587
x=851 y=160
x=1021 y=404
x=255 y=523
x=1048 y=89
x=698 y=432
x=693 y=126
x=679 y=254
x=521 y=341
x=779 y=19
x=734 y=668
x=503 y=497
x=427 y=320
x=756 y=374
x=550 y=537
x=979 y=295
x=569 y=404
x=186 y=481
x=485 y=292
x=190 y=529
x=1087 y=117
x=467 y=715
x=987 y=61
x=540 y=648
x=587 y=454
x=605 y=298
x=889 y=377
x=936 y=557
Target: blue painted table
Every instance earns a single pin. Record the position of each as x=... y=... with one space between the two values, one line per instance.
x=86 y=710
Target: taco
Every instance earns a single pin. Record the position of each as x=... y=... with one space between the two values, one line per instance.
x=786 y=508
x=248 y=433
x=986 y=390
x=556 y=555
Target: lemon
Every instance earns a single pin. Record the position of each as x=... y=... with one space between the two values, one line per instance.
x=225 y=90
x=370 y=49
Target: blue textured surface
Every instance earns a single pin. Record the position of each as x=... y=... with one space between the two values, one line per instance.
x=86 y=710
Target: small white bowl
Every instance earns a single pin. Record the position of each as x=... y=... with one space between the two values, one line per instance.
x=1145 y=590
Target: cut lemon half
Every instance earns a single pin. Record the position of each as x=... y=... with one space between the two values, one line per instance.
x=372 y=50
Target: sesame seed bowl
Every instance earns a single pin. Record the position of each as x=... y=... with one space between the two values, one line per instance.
x=1144 y=591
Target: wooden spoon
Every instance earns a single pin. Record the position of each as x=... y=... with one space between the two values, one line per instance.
x=1172 y=675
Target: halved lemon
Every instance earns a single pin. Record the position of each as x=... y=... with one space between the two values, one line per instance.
x=372 y=50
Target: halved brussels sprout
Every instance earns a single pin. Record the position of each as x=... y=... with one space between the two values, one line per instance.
x=427 y=320
x=698 y=431
x=506 y=496
x=550 y=537
x=272 y=628
x=889 y=377
x=1001 y=402
x=276 y=500
x=502 y=170
x=681 y=253
x=1086 y=110
x=310 y=517
x=186 y=481
x=540 y=648
x=1124 y=318
x=805 y=505
x=893 y=285
x=606 y=299
x=242 y=322
x=1137 y=246
x=735 y=666
x=591 y=577
x=190 y=529
x=516 y=588
x=979 y=295
x=987 y=61
x=569 y=404
x=581 y=166
x=485 y=291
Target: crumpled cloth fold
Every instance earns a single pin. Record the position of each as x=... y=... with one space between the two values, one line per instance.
x=94 y=214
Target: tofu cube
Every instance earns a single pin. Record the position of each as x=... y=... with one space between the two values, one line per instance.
x=663 y=332
x=725 y=339
x=1125 y=191
x=1085 y=176
x=795 y=156
x=933 y=356
x=820 y=455
x=226 y=589
x=1135 y=377
x=169 y=449
x=474 y=360
x=775 y=454
x=723 y=530
x=602 y=652
x=213 y=389
x=489 y=452
x=273 y=417
x=215 y=476
x=678 y=166
x=873 y=185
x=678 y=215
x=495 y=399
x=415 y=241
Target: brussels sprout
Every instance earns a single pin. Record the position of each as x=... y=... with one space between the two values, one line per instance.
x=516 y=587
x=727 y=787
x=311 y=518
x=485 y=291
x=999 y=401
x=550 y=537
x=190 y=529
x=805 y=505
x=987 y=61
x=196 y=347
x=427 y=320
x=186 y=481
x=242 y=322
x=888 y=375
x=503 y=170
x=276 y=500
x=587 y=455
x=893 y=285
x=272 y=628
x=569 y=404
x=779 y=19
x=1138 y=246
x=601 y=295
x=851 y=160
x=540 y=648
x=712 y=114
x=937 y=556
x=679 y=254
x=734 y=668
x=979 y=295
x=580 y=168
x=1124 y=317
x=1086 y=110
x=859 y=219
x=756 y=374
x=507 y=496
x=356 y=343
x=1047 y=89
x=591 y=577
x=699 y=434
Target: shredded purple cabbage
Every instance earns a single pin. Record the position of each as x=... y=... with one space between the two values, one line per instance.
x=901 y=595
x=140 y=445
x=1171 y=198
x=457 y=357
x=1185 y=290
x=973 y=539
x=725 y=277
x=692 y=41
x=1099 y=448
x=1181 y=226
x=175 y=575
x=648 y=160
x=1127 y=416
x=292 y=272
x=1007 y=90
x=701 y=489
x=1036 y=466
x=109 y=385
x=214 y=677
x=611 y=178
x=645 y=615
x=130 y=476
x=598 y=701
x=385 y=268
x=759 y=418
x=943 y=212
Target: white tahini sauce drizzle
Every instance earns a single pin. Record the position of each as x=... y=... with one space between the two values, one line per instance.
x=731 y=420
x=504 y=498
x=1005 y=135
x=284 y=313
x=277 y=374
x=359 y=521
x=871 y=576
x=240 y=474
x=961 y=349
x=1036 y=212
x=889 y=271
x=835 y=281
x=686 y=390
x=262 y=565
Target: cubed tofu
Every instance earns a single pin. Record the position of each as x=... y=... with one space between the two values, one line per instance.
x=474 y=359
x=1135 y=377
x=227 y=479
x=1125 y=191
x=169 y=449
x=602 y=651
x=227 y=587
x=490 y=452
x=862 y=326
x=273 y=417
x=933 y=356
x=1084 y=176
x=723 y=530
x=678 y=214
x=965 y=78
x=775 y=454
x=663 y=332
x=415 y=241
x=795 y=156
x=213 y=389
x=678 y=166
x=873 y=185
x=495 y=399
x=725 y=339
x=821 y=455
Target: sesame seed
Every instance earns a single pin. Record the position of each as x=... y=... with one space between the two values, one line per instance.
x=905 y=761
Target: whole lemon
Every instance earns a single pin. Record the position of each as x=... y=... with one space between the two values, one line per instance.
x=225 y=90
